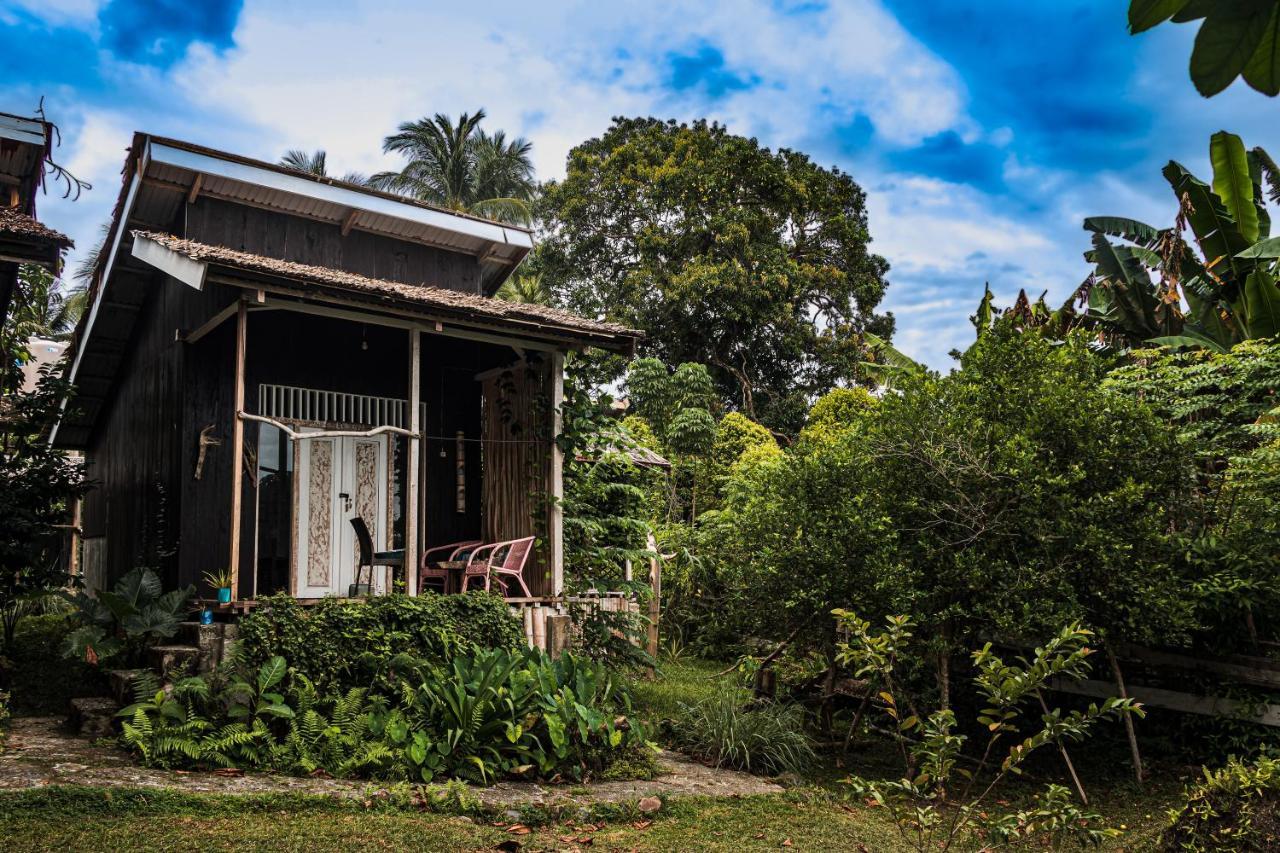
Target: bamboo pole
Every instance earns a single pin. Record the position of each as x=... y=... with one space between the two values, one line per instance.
x=655 y=599
x=1128 y=719
x=237 y=445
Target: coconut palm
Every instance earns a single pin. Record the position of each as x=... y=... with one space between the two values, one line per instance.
x=525 y=288
x=42 y=309
x=459 y=166
x=314 y=163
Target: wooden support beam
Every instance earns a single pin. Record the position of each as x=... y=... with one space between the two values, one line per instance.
x=237 y=443
x=194 y=193
x=555 y=529
x=349 y=220
x=212 y=323
x=655 y=601
x=412 y=486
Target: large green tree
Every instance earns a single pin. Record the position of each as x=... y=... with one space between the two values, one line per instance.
x=753 y=262
x=460 y=166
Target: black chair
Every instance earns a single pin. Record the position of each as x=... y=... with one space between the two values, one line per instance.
x=369 y=558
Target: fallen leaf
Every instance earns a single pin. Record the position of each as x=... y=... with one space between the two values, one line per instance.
x=786 y=842
x=228 y=771
x=642 y=824
x=587 y=827
x=584 y=840
x=518 y=829
x=649 y=805
x=320 y=773
x=759 y=835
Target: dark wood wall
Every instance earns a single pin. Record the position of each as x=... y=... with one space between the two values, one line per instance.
x=136 y=452
x=294 y=238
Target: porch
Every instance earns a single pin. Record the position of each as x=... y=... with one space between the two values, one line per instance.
x=428 y=439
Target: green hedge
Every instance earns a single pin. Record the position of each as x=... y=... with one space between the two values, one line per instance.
x=343 y=644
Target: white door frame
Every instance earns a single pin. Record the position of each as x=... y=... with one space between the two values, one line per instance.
x=330 y=463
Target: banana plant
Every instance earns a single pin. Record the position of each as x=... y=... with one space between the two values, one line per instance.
x=1155 y=287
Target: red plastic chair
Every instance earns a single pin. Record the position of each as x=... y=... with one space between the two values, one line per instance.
x=498 y=560
x=455 y=551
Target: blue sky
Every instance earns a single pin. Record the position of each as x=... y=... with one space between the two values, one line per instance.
x=983 y=132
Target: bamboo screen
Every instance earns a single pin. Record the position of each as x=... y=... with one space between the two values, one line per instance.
x=516 y=464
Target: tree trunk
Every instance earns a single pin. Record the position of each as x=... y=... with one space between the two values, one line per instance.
x=1128 y=718
x=944 y=667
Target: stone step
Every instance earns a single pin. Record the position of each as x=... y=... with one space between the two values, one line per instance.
x=121 y=682
x=215 y=641
x=93 y=716
x=167 y=660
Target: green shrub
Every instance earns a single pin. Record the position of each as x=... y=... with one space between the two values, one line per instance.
x=1234 y=808
x=123 y=621
x=338 y=645
x=767 y=738
x=482 y=717
x=4 y=718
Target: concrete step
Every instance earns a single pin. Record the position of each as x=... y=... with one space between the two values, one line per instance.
x=171 y=659
x=93 y=716
x=121 y=682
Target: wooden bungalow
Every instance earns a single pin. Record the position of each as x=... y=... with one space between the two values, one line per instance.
x=270 y=353
x=24 y=144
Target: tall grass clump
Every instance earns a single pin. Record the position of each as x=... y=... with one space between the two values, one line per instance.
x=767 y=738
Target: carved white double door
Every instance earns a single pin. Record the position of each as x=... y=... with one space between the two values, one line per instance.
x=338 y=478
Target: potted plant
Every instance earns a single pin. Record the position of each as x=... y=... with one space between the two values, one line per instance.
x=221 y=581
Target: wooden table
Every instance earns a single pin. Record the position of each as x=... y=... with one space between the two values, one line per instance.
x=455 y=568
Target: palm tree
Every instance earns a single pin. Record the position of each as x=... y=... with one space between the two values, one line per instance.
x=314 y=163
x=528 y=289
x=461 y=167
x=42 y=309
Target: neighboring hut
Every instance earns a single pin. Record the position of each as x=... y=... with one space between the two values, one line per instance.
x=268 y=354
x=24 y=145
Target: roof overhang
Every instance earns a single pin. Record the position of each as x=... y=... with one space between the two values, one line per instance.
x=178 y=171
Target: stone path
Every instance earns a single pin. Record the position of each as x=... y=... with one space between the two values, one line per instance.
x=40 y=752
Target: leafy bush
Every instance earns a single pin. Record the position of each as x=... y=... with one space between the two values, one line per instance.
x=482 y=717
x=126 y=619
x=767 y=737
x=1234 y=808
x=4 y=718
x=338 y=645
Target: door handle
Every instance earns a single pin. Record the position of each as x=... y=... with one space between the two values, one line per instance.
x=346 y=501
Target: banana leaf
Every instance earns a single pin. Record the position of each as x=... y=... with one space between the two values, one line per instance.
x=1190 y=339
x=1262 y=71
x=1127 y=229
x=1262 y=305
x=1145 y=14
x=1269 y=248
x=1216 y=232
x=1233 y=183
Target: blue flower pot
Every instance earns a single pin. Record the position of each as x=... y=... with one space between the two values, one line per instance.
x=206 y=617
x=224 y=595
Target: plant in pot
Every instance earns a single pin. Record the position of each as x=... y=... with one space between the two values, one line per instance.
x=221 y=581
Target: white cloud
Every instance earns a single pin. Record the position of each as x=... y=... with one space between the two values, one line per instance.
x=80 y=12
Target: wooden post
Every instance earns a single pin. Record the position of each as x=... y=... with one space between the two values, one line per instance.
x=411 y=545
x=655 y=599
x=555 y=528
x=237 y=445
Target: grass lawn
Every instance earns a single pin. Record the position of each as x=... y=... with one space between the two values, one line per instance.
x=819 y=816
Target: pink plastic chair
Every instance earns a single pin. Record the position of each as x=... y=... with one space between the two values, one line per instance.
x=454 y=550
x=484 y=564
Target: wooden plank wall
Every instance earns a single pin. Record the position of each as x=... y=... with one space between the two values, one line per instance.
x=135 y=453
x=293 y=238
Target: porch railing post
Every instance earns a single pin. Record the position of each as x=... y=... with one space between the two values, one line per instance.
x=237 y=445
x=411 y=551
x=556 y=522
